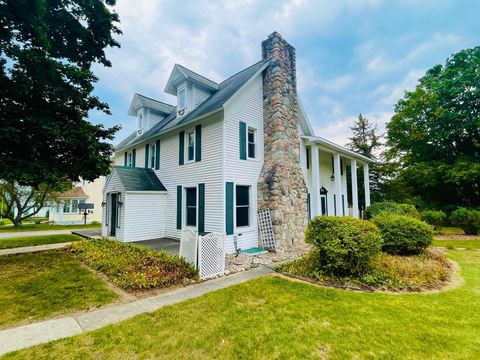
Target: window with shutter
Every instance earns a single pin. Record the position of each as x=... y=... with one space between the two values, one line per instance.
x=242 y=138
x=242 y=205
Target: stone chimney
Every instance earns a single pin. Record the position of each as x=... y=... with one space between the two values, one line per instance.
x=281 y=186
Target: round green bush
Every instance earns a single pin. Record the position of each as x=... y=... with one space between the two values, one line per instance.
x=403 y=234
x=436 y=218
x=467 y=219
x=391 y=208
x=345 y=245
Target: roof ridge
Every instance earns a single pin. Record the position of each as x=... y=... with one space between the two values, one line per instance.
x=196 y=73
x=150 y=98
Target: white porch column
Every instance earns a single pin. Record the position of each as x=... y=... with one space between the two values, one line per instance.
x=315 y=193
x=366 y=178
x=338 y=184
x=353 y=166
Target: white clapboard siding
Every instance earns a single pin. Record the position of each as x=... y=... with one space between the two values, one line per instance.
x=153 y=119
x=248 y=108
x=145 y=214
x=113 y=184
x=199 y=96
x=208 y=171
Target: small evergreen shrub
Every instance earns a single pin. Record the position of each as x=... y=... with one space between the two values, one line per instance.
x=391 y=208
x=467 y=219
x=403 y=234
x=436 y=218
x=345 y=245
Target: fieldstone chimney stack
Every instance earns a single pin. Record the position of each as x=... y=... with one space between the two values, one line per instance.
x=281 y=186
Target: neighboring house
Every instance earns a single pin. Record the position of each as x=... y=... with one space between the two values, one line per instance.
x=224 y=151
x=66 y=211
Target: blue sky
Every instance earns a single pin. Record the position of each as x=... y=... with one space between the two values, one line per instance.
x=352 y=56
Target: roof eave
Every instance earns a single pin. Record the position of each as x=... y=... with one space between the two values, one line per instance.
x=335 y=147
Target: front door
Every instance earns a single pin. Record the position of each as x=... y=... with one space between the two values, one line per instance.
x=324 y=205
x=113 y=214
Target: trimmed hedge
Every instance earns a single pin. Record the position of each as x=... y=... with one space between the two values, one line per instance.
x=436 y=218
x=467 y=219
x=345 y=245
x=403 y=234
x=133 y=267
x=391 y=208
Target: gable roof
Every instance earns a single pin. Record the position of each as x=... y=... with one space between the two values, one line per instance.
x=144 y=101
x=214 y=103
x=138 y=179
x=181 y=73
x=76 y=192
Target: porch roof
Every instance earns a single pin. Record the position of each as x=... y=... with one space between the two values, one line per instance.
x=336 y=148
x=139 y=179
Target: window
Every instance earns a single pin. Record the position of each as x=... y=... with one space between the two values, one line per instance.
x=251 y=143
x=66 y=206
x=74 y=206
x=130 y=159
x=152 y=155
x=190 y=146
x=242 y=198
x=191 y=209
x=181 y=99
x=308 y=157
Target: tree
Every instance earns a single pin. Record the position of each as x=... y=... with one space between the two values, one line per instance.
x=23 y=202
x=435 y=133
x=365 y=140
x=47 y=49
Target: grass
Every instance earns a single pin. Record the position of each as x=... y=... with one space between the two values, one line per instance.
x=451 y=230
x=275 y=318
x=36 y=240
x=133 y=267
x=41 y=285
x=451 y=244
x=43 y=227
x=429 y=270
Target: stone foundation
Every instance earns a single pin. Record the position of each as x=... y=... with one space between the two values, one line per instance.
x=281 y=185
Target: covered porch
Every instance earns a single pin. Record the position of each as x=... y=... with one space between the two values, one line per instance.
x=332 y=178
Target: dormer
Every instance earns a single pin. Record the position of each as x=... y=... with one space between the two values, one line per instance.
x=148 y=112
x=190 y=88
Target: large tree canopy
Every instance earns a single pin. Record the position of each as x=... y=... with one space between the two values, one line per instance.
x=435 y=133
x=47 y=48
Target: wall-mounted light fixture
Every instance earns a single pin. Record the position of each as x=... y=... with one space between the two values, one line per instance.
x=104 y=203
x=332 y=177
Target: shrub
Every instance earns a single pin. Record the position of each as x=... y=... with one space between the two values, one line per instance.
x=345 y=245
x=402 y=234
x=467 y=219
x=436 y=218
x=391 y=208
x=5 y=222
x=133 y=267
x=96 y=223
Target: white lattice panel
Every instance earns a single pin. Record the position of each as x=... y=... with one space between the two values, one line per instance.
x=189 y=246
x=211 y=255
x=265 y=229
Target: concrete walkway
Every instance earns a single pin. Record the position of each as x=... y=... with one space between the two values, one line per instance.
x=45 y=331
x=14 y=234
x=31 y=249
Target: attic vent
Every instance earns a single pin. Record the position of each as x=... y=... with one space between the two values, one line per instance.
x=139 y=131
x=181 y=112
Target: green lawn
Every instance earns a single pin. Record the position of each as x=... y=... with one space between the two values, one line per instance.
x=467 y=244
x=43 y=227
x=40 y=285
x=274 y=318
x=451 y=230
x=37 y=240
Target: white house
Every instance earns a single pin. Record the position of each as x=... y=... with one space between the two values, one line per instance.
x=224 y=150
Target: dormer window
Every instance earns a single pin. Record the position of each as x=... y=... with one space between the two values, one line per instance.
x=181 y=99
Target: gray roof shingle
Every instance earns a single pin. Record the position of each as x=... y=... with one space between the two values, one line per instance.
x=139 y=179
x=226 y=90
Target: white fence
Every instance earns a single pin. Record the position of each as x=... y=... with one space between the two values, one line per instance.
x=205 y=252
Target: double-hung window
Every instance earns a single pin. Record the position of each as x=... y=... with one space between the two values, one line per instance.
x=74 y=206
x=181 y=99
x=190 y=145
x=251 y=142
x=130 y=159
x=191 y=206
x=152 y=155
x=66 y=206
x=242 y=205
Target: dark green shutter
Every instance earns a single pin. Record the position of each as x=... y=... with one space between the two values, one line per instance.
x=335 y=204
x=201 y=208
x=134 y=155
x=181 y=148
x=125 y=163
x=198 y=142
x=242 y=135
x=146 y=156
x=343 y=204
x=179 y=207
x=341 y=166
x=333 y=165
x=229 y=208
x=157 y=154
